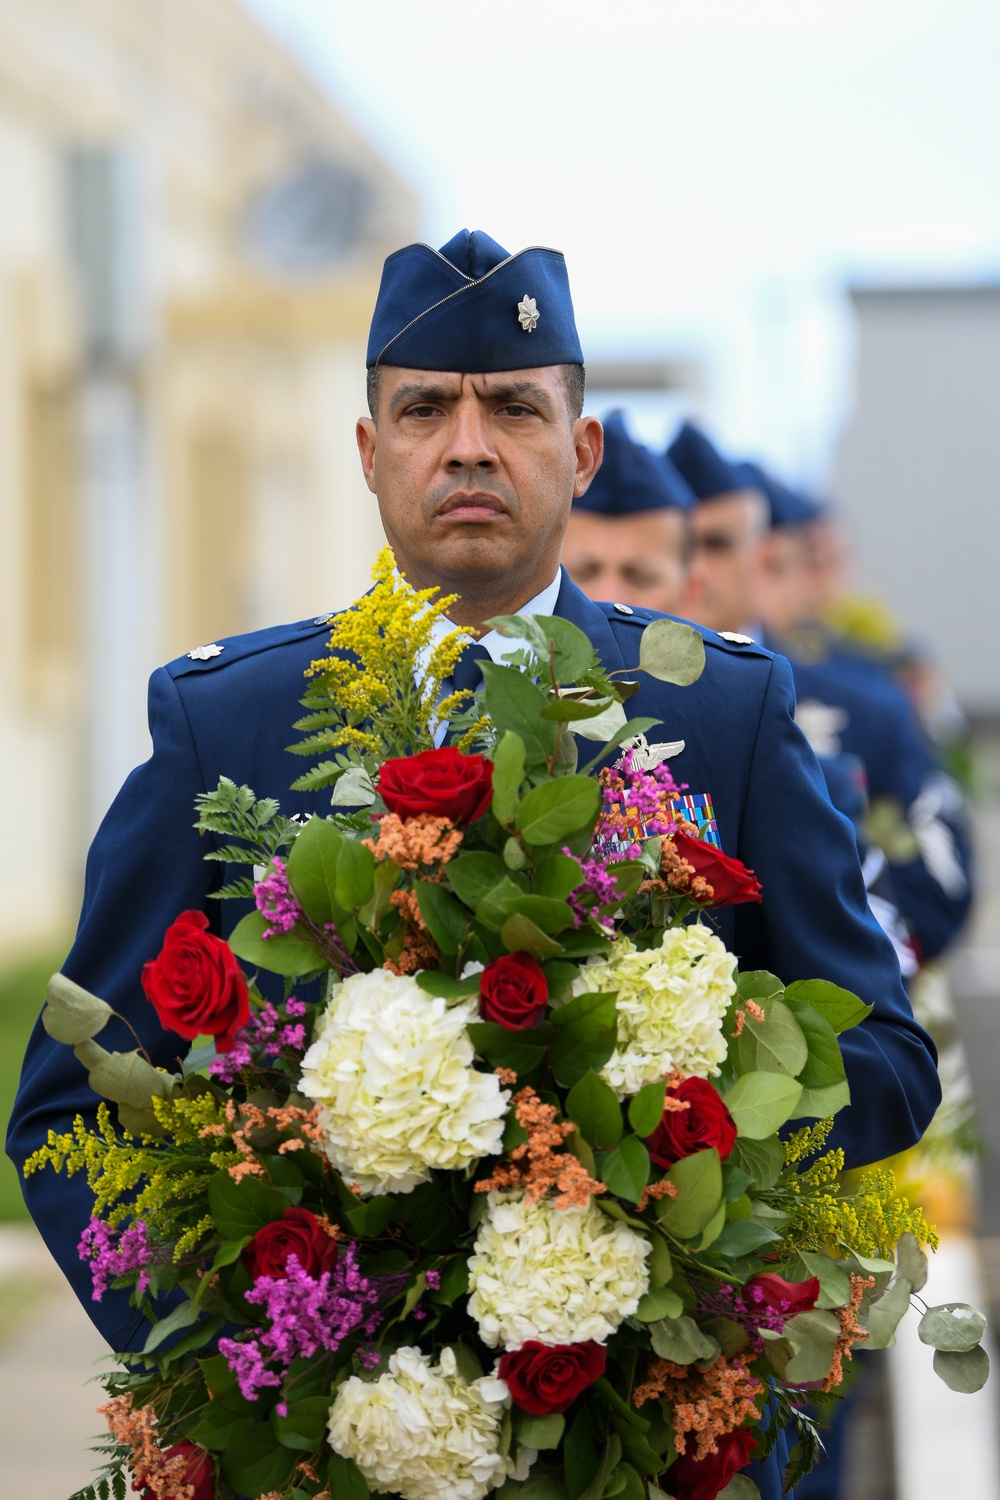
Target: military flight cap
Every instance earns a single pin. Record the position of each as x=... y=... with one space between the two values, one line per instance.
x=708 y=473
x=631 y=478
x=788 y=507
x=472 y=306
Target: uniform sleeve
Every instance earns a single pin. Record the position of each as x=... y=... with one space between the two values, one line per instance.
x=814 y=923
x=146 y=865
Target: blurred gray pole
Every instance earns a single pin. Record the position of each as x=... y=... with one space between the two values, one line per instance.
x=106 y=247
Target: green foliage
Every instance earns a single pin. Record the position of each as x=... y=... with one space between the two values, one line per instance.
x=672 y=651
x=233 y=812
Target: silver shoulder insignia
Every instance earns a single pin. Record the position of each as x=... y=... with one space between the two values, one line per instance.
x=734 y=638
x=205 y=653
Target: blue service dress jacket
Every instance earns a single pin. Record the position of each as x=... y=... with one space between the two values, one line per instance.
x=231 y=715
x=847 y=703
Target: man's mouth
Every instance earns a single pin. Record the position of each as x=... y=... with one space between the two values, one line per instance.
x=472 y=505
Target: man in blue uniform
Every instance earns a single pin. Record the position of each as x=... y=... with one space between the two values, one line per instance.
x=848 y=704
x=629 y=535
x=844 y=703
x=476 y=448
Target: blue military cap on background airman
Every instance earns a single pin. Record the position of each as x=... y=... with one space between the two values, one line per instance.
x=472 y=306
x=631 y=478
x=788 y=507
x=702 y=465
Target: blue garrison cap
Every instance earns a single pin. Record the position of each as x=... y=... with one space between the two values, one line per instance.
x=702 y=465
x=632 y=479
x=471 y=306
x=788 y=507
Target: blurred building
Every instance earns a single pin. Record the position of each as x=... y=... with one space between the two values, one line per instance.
x=190 y=242
x=918 y=474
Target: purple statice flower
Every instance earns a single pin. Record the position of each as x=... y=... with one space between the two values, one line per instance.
x=433 y=1280
x=109 y=1260
x=265 y=1036
x=751 y=1315
x=275 y=901
x=304 y=1314
x=598 y=881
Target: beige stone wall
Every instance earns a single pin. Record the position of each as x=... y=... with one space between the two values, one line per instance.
x=246 y=379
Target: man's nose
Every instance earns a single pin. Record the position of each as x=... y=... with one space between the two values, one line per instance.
x=469 y=442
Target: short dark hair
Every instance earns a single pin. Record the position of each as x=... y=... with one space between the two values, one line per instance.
x=574 y=379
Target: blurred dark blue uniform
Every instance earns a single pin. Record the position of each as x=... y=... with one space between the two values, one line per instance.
x=231 y=716
x=847 y=703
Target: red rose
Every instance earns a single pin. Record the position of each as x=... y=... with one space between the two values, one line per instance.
x=703 y=1478
x=196 y=984
x=779 y=1295
x=683 y=1132
x=730 y=879
x=297 y=1232
x=543 y=1378
x=513 y=991
x=199 y=1474
x=442 y=782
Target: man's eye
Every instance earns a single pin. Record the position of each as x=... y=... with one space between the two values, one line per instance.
x=515 y=409
x=424 y=410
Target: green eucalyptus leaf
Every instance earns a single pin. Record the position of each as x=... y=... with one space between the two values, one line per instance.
x=72 y=1014
x=555 y=810
x=521 y=935
x=839 y=1007
x=182 y=1317
x=626 y=1169
x=239 y=1209
x=672 y=652
x=521 y=1050
x=508 y=773
x=964 y=1370
x=128 y=1078
x=681 y=1340
x=645 y=1111
x=885 y=1314
x=759 y=985
x=446 y=921
x=434 y=982
x=761 y=1102
x=571 y=651
x=911 y=1261
x=953 y=1327
x=556 y=876
x=258 y=1461
x=514 y=702
x=593 y=1107
x=660 y=1303
x=813 y=1337
x=698 y=1180
x=777 y=1044
x=740 y=1487
x=539 y=1432
x=762 y=1159
x=283 y=953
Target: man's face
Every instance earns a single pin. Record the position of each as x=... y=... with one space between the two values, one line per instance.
x=475 y=475
x=784 y=592
x=639 y=559
x=727 y=533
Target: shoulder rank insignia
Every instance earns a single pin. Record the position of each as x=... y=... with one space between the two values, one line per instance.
x=205 y=653
x=734 y=638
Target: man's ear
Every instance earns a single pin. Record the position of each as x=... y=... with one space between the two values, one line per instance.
x=367 y=435
x=588 y=441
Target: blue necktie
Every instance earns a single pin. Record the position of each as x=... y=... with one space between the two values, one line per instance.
x=468 y=674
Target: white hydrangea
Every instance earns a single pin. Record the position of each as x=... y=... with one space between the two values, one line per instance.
x=559 y=1275
x=422 y=1433
x=671 y=1001
x=392 y=1071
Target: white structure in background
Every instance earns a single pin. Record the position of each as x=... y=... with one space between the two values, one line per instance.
x=918 y=475
x=191 y=236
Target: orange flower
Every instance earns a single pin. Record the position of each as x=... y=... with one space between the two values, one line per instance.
x=706 y=1403
x=540 y=1163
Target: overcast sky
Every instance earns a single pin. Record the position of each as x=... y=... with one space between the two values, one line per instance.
x=714 y=170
